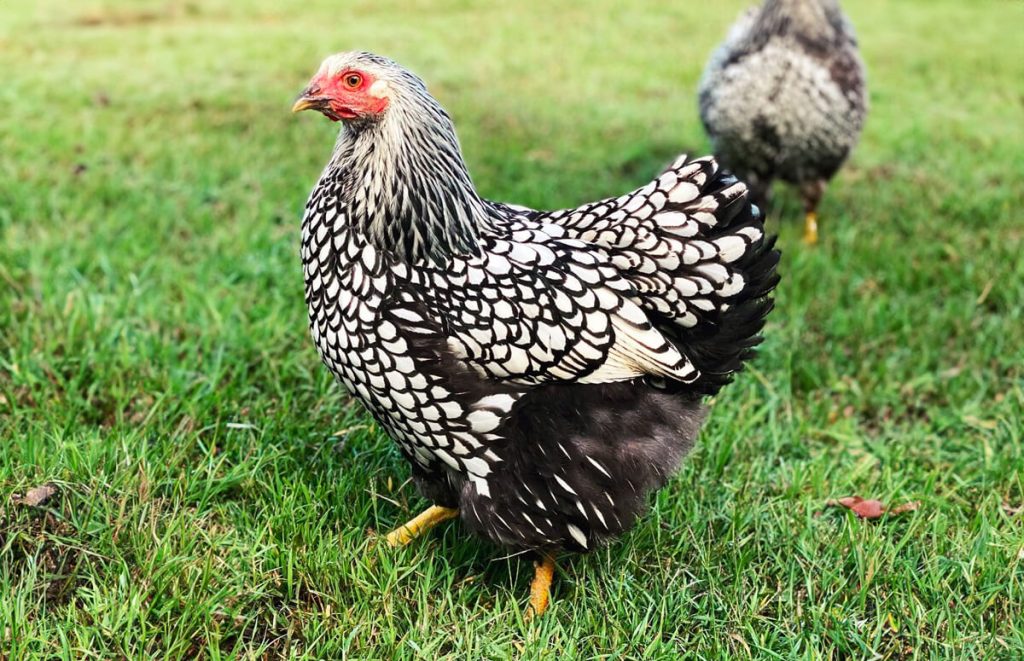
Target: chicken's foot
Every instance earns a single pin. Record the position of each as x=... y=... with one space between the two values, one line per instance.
x=415 y=527
x=811 y=228
x=540 y=588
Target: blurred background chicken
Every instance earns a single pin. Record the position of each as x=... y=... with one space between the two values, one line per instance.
x=542 y=372
x=783 y=98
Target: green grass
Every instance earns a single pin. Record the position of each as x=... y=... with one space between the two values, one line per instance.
x=155 y=365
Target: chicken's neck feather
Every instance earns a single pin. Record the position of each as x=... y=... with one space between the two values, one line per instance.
x=815 y=21
x=406 y=186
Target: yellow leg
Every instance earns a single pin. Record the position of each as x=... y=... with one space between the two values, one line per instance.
x=811 y=228
x=540 y=588
x=429 y=518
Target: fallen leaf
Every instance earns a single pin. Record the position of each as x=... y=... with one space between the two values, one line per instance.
x=905 y=507
x=867 y=509
x=36 y=496
x=871 y=509
x=1012 y=510
x=975 y=421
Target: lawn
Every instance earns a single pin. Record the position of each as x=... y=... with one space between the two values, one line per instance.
x=218 y=495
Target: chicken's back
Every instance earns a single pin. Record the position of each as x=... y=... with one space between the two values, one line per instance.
x=694 y=251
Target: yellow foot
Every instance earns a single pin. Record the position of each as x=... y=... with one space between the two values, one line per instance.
x=540 y=588
x=811 y=228
x=429 y=518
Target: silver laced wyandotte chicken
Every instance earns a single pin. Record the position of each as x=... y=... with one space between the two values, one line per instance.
x=783 y=98
x=542 y=372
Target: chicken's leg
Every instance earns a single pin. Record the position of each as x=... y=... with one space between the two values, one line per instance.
x=811 y=228
x=426 y=520
x=811 y=193
x=540 y=588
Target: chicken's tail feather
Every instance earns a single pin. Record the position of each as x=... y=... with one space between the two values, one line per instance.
x=732 y=271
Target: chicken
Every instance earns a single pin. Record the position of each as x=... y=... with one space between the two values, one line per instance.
x=542 y=372
x=783 y=98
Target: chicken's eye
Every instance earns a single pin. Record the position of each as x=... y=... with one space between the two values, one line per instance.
x=353 y=80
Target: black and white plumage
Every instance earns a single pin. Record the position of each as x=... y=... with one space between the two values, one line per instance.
x=541 y=371
x=784 y=96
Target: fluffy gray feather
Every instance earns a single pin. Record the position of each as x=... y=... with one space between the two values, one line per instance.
x=783 y=97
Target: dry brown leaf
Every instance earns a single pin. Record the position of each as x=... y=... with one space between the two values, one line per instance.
x=865 y=509
x=1012 y=510
x=870 y=508
x=906 y=507
x=36 y=496
x=975 y=421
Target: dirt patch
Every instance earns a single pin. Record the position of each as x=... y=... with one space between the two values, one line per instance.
x=36 y=537
x=130 y=17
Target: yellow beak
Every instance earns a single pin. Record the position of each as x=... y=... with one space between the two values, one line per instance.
x=311 y=98
x=305 y=103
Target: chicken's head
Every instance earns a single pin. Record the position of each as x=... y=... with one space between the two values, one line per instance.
x=351 y=86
